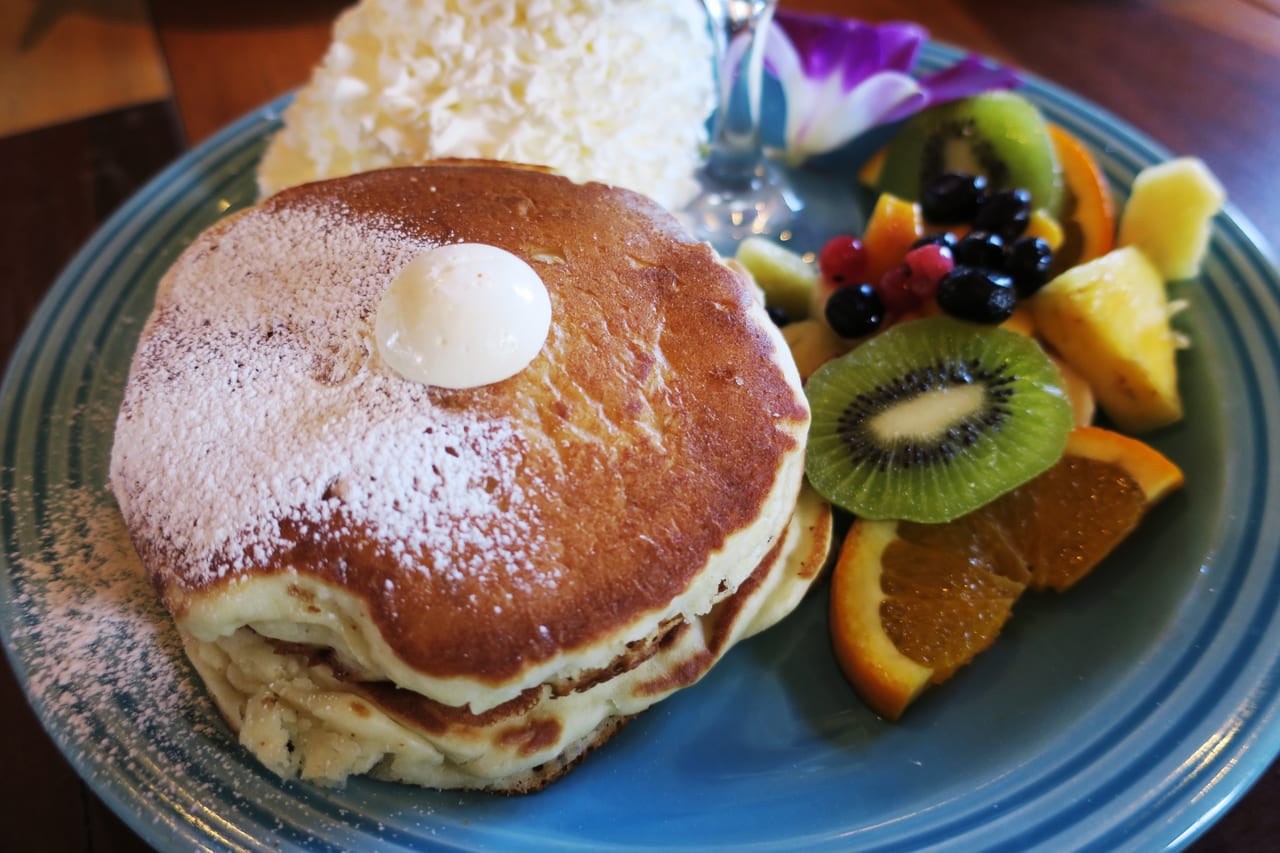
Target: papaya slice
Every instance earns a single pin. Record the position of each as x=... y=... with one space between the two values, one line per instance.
x=894 y=225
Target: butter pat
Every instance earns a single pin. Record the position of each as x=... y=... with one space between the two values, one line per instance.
x=462 y=316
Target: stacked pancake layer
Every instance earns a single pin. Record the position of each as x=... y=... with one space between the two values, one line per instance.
x=459 y=588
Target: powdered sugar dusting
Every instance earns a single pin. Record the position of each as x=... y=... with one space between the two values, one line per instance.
x=257 y=399
x=91 y=620
x=105 y=669
x=103 y=663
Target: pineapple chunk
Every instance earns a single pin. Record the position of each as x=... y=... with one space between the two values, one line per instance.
x=1169 y=213
x=787 y=279
x=1109 y=321
x=813 y=344
x=1044 y=225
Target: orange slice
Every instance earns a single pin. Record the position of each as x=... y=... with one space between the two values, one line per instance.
x=1021 y=320
x=1088 y=215
x=912 y=603
x=1079 y=391
x=869 y=173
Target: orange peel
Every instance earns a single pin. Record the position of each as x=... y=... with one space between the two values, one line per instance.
x=1089 y=213
x=959 y=581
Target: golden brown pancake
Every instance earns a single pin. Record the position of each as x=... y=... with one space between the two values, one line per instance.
x=304 y=714
x=543 y=533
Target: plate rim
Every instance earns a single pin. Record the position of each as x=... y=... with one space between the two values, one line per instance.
x=1243 y=771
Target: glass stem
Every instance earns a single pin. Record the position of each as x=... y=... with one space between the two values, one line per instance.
x=737 y=151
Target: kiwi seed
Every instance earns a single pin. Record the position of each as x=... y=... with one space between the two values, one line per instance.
x=934 y=418
x=934 y=160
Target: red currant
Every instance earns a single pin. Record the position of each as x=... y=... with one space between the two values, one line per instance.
x=895 y=290
x=843 y=260
x=927 y=265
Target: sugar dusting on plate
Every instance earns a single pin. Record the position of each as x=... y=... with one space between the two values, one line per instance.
x=104 y=667
x=91 y=622
x=99 y=656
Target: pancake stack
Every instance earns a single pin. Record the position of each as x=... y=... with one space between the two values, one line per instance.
x=460 y=588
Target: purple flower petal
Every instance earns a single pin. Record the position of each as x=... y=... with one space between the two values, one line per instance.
x=971 y=76
x=842 y=77
x=854 y=49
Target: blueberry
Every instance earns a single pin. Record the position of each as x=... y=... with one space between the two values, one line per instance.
x=980 y=249
x=977 y=295
x=1006 y=212
x=1028 y=261
x=777 y=315
x=946 y=239
x=952 y=197
x=855 y=311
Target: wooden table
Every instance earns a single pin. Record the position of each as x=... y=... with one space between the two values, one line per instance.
x=96 y=96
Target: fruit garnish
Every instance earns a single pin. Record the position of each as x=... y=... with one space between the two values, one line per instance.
x=953 y=197
x=912 y=285
x=855 y=311
x=998 y=134
x=843 y=260
x=1028 y=261
x=1046 y=227
x=945 y=436
x=977 y=295
x=869 y=173
x=1088 y=213
x=1006 y=213
x=896 y=292
x=1109 y=320
x=938 y=238
x=812 y=343
x=928 y=264
x=1168 y=215
x=787 y=279
x=1079 y=392
x=912 y=603
x=980 y=249
x=1021 y=321
x=933 y=418
x=893 y=228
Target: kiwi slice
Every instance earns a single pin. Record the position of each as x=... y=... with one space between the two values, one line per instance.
x=997 y=134
x=934 y=418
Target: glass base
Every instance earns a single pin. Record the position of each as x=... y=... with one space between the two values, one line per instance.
x=726 y=214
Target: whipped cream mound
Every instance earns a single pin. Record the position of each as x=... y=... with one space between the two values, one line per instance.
x=616 y=91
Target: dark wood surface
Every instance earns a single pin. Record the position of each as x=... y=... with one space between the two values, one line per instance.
x=1199 y=77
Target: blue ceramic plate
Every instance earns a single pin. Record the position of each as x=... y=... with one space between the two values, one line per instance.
x=1128 y=713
